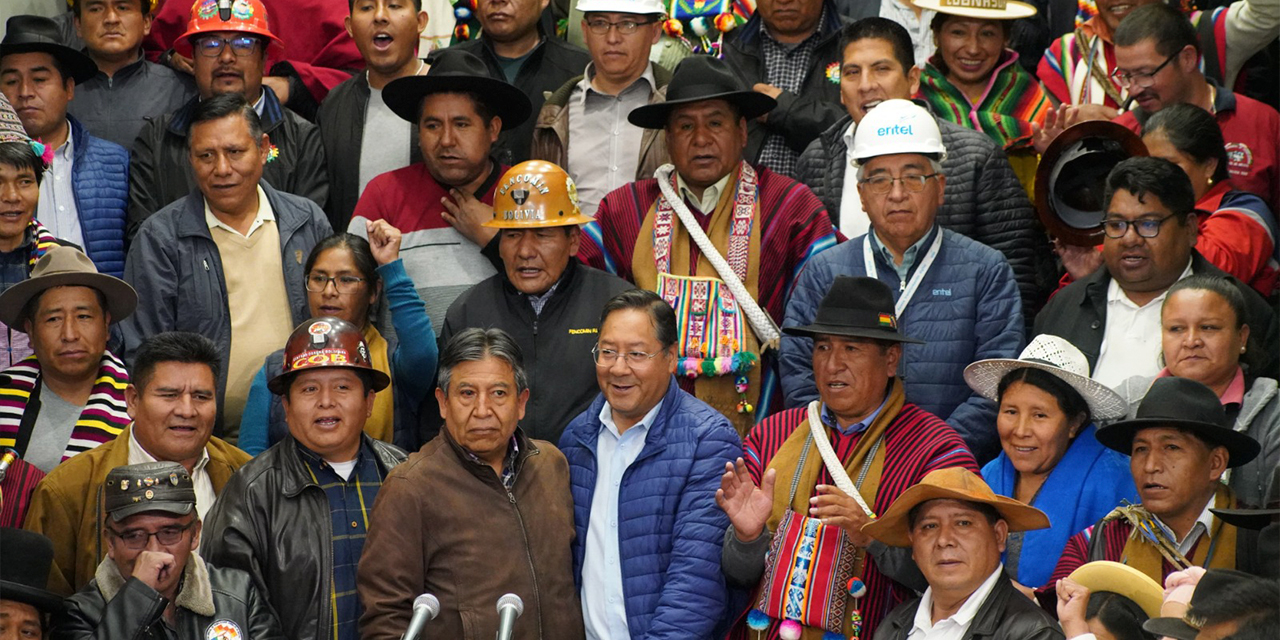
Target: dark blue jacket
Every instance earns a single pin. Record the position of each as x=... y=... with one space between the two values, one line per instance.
x=100 y=182
x=670 y=529
x=967 y=308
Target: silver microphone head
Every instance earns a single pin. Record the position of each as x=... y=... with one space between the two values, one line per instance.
x=429 y=602
x=511 y=600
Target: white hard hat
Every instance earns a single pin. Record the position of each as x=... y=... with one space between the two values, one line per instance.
x=897 y=126
x=642 y=7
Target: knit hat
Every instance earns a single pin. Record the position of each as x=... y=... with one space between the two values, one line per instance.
x=11 y=130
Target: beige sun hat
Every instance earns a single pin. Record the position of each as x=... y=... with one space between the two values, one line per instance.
x=986 y=9
x=1105 y=575
x=1054 y=355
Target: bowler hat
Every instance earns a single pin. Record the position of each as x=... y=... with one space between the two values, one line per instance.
x=37 y=34
x=952 y=483
x=1182 y=403
x=1071 y=178
x=25 y=559
x=855 y=307
x=698 y=79
x=1208 y=591
x=63 y=266
x=148 y=486
x=457 y=71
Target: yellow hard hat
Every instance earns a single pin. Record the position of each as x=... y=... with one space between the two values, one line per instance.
x=534 y=194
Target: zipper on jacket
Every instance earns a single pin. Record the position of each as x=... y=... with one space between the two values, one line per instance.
x=205 y=261
x=528 y=554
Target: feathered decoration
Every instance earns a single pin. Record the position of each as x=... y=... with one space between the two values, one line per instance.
x=1145 y=527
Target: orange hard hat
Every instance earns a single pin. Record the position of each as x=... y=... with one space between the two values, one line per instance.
x=533 y=194
x=247 y=16
x=322 y=343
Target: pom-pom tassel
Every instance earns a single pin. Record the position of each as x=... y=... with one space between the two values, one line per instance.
x=673 y=28
x=789 y=630
x=758 y=620
x=43 y=150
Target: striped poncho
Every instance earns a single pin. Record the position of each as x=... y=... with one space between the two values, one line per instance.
x=1011 y=102
x=101 y=420
x=915 y=443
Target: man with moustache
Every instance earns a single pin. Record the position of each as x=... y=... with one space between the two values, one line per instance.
x=227 y=57
x=362 y=136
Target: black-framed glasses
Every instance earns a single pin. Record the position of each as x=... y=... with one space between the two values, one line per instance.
x=607 y=357
x=600 y=26
x=884 y=184
x=317 y=283
x=212 y=46
x=1146 y=227
x=1141 y=80
x=137 y=539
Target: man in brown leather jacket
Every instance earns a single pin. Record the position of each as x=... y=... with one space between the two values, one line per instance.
x=480 y=511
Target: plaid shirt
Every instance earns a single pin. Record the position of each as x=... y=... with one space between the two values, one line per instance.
x=785 y=67
x=508 y=465
x=350 y=502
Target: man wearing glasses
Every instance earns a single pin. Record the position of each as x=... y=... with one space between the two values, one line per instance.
x=644 y=464
x=152 y=583
x=953 y=292
x=227 y=57
x=1113 y=315
x=1158 y=60
x=591 y=109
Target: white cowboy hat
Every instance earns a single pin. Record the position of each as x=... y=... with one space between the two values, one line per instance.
x=1054 y=355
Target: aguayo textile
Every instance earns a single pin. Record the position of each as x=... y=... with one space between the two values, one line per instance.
x=1012 y=101
x=103 y=418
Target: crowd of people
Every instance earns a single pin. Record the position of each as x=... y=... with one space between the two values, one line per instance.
x=786 y=319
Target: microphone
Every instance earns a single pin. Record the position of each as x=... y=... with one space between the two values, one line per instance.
x=224 y=10
x=425 y=608
x=510 y=607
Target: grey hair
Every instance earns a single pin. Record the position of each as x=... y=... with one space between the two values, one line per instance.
x=476 y=344
x=934 y=166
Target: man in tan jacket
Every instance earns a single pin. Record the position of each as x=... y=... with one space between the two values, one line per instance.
x=172 y=404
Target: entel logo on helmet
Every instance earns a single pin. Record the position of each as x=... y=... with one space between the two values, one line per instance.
x=895 y=130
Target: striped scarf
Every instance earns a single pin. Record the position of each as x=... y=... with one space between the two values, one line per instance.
x=102 y=419
x=42 y=241
x=1012 y=101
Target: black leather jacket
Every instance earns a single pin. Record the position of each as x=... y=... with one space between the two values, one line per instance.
x=273 y=521
x=210 y=596
x=1006 y=614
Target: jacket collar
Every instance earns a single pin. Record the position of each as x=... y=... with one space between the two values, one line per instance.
x=1098 y=281
x=563 y=285
x=195 y=595
x=192 y=223
x=991 y=614
x=654 y=442
x=272 y=113
x=79 y=137
x=296 y=477
x=483 y=472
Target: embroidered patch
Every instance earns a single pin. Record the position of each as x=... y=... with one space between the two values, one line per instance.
x=223 y=630
x=833 y=72
x=1239 y=158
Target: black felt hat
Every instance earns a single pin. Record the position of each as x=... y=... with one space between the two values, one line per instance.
x=37 y=34
x=697 y=79
x=25 y=558
x=1208 y=593
x=855 y=307
x=1182 y=403
x=456 y=71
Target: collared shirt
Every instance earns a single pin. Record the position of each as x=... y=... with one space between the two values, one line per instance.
x=785 y=66
x=1234 y=393
x=603 y=601
x=265 y=215
x=116 y=107
x=1203 y=525
x=954 y=627
x=908 y=257
x=921 y=35
x=710 y=195
x=540 y=301
x=205 y=495
x=1131 y=338
x=350 y=503
x=508 y=475
x=829 y=419
x=57 y=207
x=853 y=220
x=603 y=146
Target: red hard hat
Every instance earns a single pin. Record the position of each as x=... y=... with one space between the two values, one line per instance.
x=321 y=343
x=247 y=16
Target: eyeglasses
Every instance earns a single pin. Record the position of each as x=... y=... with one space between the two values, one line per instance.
x=1146 y=227
x=884 y=184
x=607 y=357
x=317 y=283
x=212 y=46
x=1141 y=80
x=137 y=539
x=600 y=26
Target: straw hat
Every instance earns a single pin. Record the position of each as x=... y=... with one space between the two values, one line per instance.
x=1056 y=356
x=954 y=483
x=1105 y=575
x=985 y=9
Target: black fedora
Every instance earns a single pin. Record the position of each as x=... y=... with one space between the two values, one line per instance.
x=1071 y=178
x=855 y=307
x=1255 y=519
x=37 y=34
x=1209 y=593
x=25 y=559
x=700 y=78
x=456 y=71
x=1182 y=403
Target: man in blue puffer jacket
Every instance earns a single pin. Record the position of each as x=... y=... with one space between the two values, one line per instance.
x=645 y=460
x=953 y=292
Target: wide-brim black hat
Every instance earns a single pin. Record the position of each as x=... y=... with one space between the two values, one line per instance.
x=1256 y=519
x=1208 y=593
x=25 y=558
x=455 y=71
x=855 y=307
x=1071 y=178
x=37 y=34
x=1182 y=403
x=698 y=79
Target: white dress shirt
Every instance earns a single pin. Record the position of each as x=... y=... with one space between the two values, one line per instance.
x=1131 y=339
x=205 y=495
x=853 y=220
x=954 y=627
